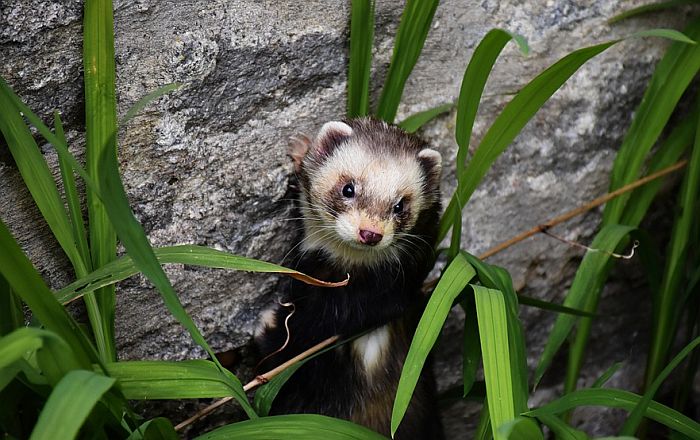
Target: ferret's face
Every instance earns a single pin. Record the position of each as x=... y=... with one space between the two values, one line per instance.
x=364 y=190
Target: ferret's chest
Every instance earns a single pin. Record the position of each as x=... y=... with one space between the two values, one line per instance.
x=371 y=352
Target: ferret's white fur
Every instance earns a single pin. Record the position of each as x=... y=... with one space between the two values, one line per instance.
x=371 y=348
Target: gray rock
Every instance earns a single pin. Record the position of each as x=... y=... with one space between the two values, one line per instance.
x=207 y=164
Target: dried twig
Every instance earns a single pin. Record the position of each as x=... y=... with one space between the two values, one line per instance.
x=582 y=209
x=429 y=285
x=259 y=380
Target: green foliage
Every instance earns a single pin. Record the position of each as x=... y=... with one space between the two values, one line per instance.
x=361 y=39
x=455 y=278
x=410 y=37
x=57 y=376
x=69 y=405
x=296 y=426
x=100 y=143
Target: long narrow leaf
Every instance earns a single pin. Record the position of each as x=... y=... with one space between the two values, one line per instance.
x=473 y=83
x=11 y=316
x=612 y=398
x=666 y=305
x=410 y=38
x=293 y=426
x=670 y=79
x=607 y=374
x=552 y=307
x=635 y=417
x=155 y=429
x=100 y=140
x=509 y=123
x=453 y=280
x=652 y=7
x=417 y=120
x=73 y=201
x=53 y=356
x=29 y=286
x=497 y=278
x=493 y=333
x=561 y=429
x=143 y=102
x=520 y=428
x=148 y=380
x=471 y=349
x=517 y=113
x=361 y=39
x=584 y=290
x=125 y=267
x=69 y=405
x=36 y=175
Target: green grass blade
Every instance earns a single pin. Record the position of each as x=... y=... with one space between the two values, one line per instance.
x=635 y=417
x=361 y=40
x=293 y=426
x=100 y=140
x=613 y=398
x=483 y=429
x=584 y=291
x=36 y=175
x=69 y=405
x=193 y=255
x=552 y=307
x=560 y=429
x=607 y=374
x=28 y=285
x=471 y=349
x=414 y=122
x=54 y=358
x=11 y=315
x=410 y=38
x=266 y=394
x=473 y=83
x=18 y=343
x=666 y=305
x=670 y=79
x=143 y=102
x=493 y=333
x=149 y=380
x=138 y=247
x=510 y=122
x=670 y=34
x=652 y=7
x=453 y=280
x=159 y=428
x=497 y=278
x=520 y=428
x=72 y=200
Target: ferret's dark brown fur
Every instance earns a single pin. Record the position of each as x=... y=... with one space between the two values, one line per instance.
x=370 y=203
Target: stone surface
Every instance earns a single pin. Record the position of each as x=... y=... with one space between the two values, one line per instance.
x=207 y=164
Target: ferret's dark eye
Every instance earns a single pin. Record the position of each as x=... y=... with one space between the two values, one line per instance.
x=398 y=208
x=349 y=190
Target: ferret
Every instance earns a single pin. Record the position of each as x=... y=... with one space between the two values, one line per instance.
x=369 y=203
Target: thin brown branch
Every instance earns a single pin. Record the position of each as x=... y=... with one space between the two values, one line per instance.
x=582 y=209
x=429 y=285
x=259 y=380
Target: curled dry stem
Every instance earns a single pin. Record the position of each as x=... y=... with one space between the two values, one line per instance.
x=259 y=380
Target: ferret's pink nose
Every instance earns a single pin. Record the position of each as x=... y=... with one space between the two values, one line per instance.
x=369 y=237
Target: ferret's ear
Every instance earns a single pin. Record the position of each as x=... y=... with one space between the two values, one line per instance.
x=298 y=147
x=331 y=135
x=431 y=161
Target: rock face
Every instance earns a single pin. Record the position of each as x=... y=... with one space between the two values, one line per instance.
x=207 y=164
